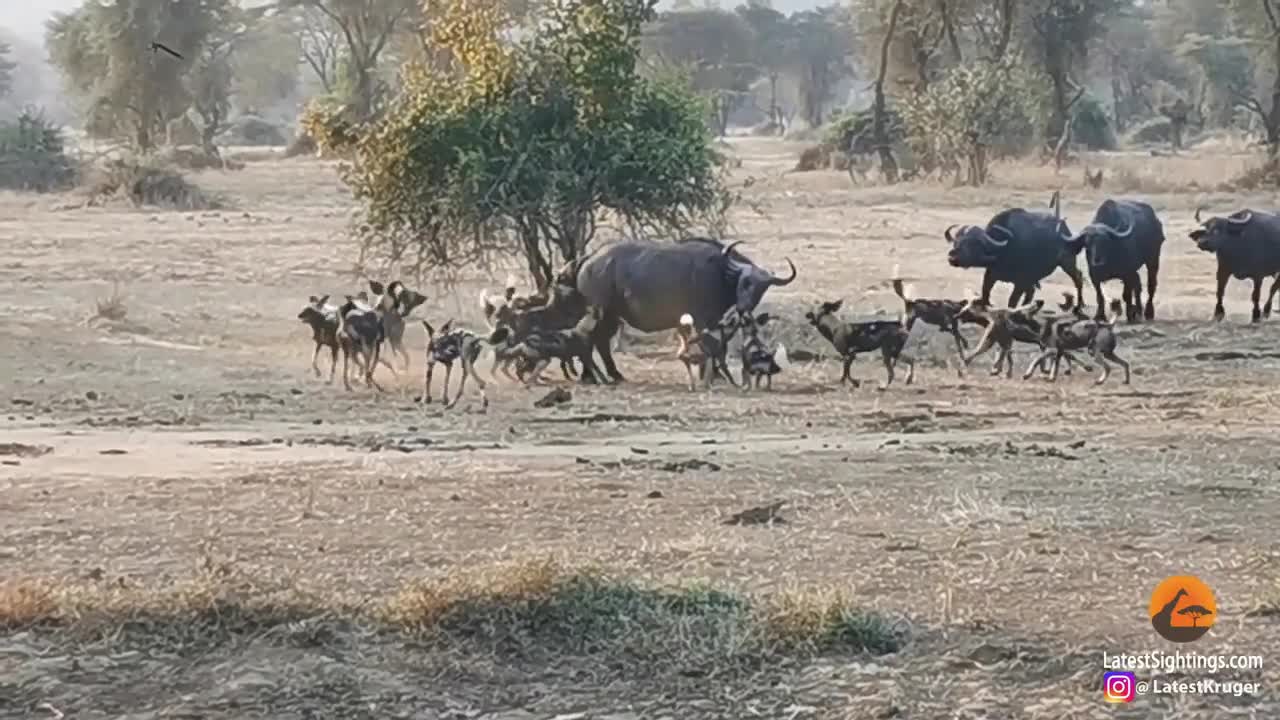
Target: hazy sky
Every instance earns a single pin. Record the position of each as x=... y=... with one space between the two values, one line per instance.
x=26 y=17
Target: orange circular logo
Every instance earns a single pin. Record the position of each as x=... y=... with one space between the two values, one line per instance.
x=1182 y=608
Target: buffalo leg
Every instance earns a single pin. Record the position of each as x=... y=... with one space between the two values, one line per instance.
x=1068 y=266
x=1257 y=299
x=1224 y=275
x=1101 y=313
x=1271 y=294
x=1153 y=269
x=1133 y=298
x=603 y=337
x=1014 y=296
x=988 y=282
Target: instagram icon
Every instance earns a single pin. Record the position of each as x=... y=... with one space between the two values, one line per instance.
x=1117 y=687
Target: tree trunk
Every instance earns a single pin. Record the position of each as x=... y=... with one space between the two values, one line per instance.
x=888 y=166
x=775 y=114
x=1117 y=100
x=1006 y=30
x=1273 y=118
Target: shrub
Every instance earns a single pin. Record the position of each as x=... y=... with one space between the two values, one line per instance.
x=330 y=125
x=1091 y=127
x=253 y=131
x=856 y=127
x=32 y=155
x=148 y=183
x=975 y=113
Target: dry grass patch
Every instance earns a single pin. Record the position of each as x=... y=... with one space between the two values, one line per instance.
x=111 y=308
x=533 y=609
x=148 y=182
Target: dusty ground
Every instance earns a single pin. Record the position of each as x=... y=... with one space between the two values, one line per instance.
x=1016 y=529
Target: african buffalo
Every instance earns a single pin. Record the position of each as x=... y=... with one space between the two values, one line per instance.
x=1018 y=246
x=651 y=286
x=1247 y=244
x=1125 y=235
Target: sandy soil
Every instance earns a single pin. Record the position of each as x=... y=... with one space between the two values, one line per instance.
x=1016 y=527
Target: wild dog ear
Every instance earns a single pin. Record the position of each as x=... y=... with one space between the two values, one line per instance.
x=763 y=318
x=313 y=300
x=322 y=300
x=445 y=327
x=376 y=287
x=430 y=330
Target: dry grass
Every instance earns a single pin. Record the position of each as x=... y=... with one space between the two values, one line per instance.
x=147 y=183
x=111 y=308
x=524 y=608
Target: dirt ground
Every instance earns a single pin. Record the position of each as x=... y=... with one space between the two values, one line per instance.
x=1017 y=528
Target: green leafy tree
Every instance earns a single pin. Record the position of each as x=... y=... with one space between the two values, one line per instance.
x=820 y=56
x=717 y=51
x=973 y=113
x=364 y=28
x=266 y=62
x=1257 y=23
x=103 y=52
x=1063 y=31
x=774 y=38
x=516 y=149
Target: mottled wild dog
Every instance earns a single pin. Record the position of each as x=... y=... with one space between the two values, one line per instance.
x=323 y=321
x=541 y=347
x=851 y=338
x=942 y=314
x=1004 y=327
x=360 y=335
x=758 y=361
x=452 y=345
x=705 y=350
x=1096 y=336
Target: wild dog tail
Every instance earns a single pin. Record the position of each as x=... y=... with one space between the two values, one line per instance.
x=898 y=288
x=780 y=357
x=488 y=307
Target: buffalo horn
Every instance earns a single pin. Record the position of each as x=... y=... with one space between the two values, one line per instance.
x=1007 y=234
x=729 y=248
x=1198 y=213
x=947 y=234
x=1127 y=231
x=1242 y=219
x=775 y=280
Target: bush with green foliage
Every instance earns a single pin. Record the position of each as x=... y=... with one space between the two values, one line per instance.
x=1091 y=126
x=253 y=130
x=32 y=155
x=520 y=148
x=855 y=127
x=978 y=110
